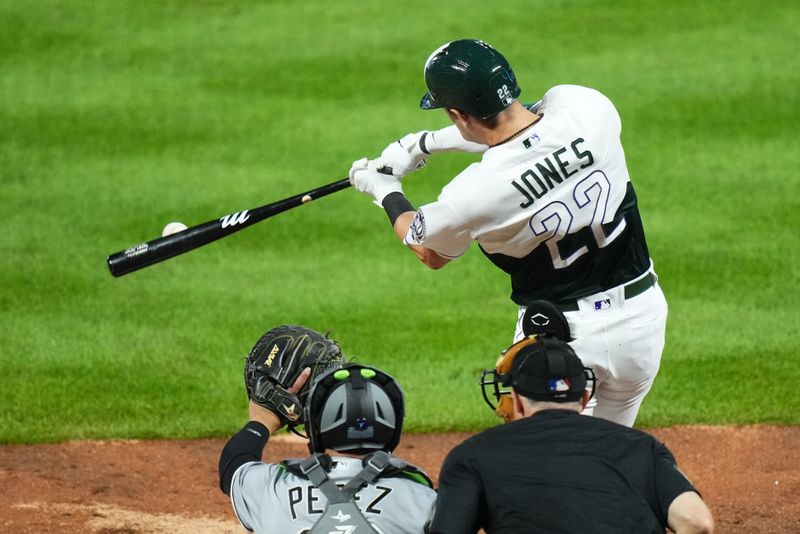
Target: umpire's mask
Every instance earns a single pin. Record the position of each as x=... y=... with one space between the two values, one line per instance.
x=354 y=409
x=539 y=367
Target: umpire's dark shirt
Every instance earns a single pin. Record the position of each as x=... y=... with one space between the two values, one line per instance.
x=558 y=472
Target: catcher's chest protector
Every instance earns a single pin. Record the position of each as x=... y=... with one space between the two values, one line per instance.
x=342 y=517
x=341 y=513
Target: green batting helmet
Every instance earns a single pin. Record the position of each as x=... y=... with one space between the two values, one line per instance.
x=470 y=76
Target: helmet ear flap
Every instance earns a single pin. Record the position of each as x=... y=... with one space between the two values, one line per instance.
x=316 y=399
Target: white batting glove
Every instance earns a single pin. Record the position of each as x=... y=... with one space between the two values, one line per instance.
x=403 y=156
x=357 y=165
x=365 y=177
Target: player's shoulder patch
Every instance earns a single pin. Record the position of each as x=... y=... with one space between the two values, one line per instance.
x=417 y=231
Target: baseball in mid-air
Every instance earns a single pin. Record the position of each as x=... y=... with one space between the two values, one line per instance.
x=173 y=228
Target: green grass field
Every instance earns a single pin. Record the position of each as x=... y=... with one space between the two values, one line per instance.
x=118 y=117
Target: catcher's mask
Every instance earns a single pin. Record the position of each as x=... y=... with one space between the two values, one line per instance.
x=541 y=368
x=355 y=409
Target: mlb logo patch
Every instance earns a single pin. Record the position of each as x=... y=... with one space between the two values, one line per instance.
x=558 y=385
x=602 y=304
x=531 y=141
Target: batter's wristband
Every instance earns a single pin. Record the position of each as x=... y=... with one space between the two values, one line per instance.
x=395 y=205
x=422 y=143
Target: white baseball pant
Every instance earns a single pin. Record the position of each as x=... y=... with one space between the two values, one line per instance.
x=622 y=341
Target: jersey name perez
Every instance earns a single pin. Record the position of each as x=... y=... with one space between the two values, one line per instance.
x=269 y=498
x=305 y=499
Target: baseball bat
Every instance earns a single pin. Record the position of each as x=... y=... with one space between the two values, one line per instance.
x=145 y=254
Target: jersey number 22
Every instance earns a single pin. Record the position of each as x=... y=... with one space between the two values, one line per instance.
x=588 y=208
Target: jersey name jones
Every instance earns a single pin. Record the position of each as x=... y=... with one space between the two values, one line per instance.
x=547 y=174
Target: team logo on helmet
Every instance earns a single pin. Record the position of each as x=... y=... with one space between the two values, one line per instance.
x=505 y=95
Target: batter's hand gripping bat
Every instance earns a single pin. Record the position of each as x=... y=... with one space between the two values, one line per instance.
x=139 y=256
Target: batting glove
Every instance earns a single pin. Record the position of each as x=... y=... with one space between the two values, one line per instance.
x=403 y=156
x=365 y=177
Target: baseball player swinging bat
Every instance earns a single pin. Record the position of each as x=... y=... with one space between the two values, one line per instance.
x=142 y=255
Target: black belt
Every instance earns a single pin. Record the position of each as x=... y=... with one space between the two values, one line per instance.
x=631 y=290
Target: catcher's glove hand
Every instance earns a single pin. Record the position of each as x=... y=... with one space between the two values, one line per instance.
x=278 y=359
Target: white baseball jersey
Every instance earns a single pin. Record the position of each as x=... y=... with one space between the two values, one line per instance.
x=553 y=207
x=267 y=498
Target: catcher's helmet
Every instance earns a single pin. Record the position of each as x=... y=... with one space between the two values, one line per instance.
x=355 y=409
x=470 y=76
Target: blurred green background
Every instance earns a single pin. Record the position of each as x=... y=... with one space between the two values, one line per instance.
x=118 y=117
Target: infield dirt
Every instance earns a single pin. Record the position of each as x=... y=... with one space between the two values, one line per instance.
x=750 y=477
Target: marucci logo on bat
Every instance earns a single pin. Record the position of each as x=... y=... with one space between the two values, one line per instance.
x=165 y=247
x=235 y=218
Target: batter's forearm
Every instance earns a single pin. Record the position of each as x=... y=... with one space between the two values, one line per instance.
x=401 y=213
x=449 y=140
x=424 y=254
x=401 y=226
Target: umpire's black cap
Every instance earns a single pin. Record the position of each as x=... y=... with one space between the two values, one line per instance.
x=548 y=371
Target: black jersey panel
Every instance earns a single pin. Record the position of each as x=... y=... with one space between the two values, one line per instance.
x=626 y=257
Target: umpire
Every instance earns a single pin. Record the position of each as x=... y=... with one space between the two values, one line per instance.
x=552 y=470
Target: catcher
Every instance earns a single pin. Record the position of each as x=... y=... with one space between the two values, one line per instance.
x=296 y=376
x=551 y=470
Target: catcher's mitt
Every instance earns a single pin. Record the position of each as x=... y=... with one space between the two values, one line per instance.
x=277 y=360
